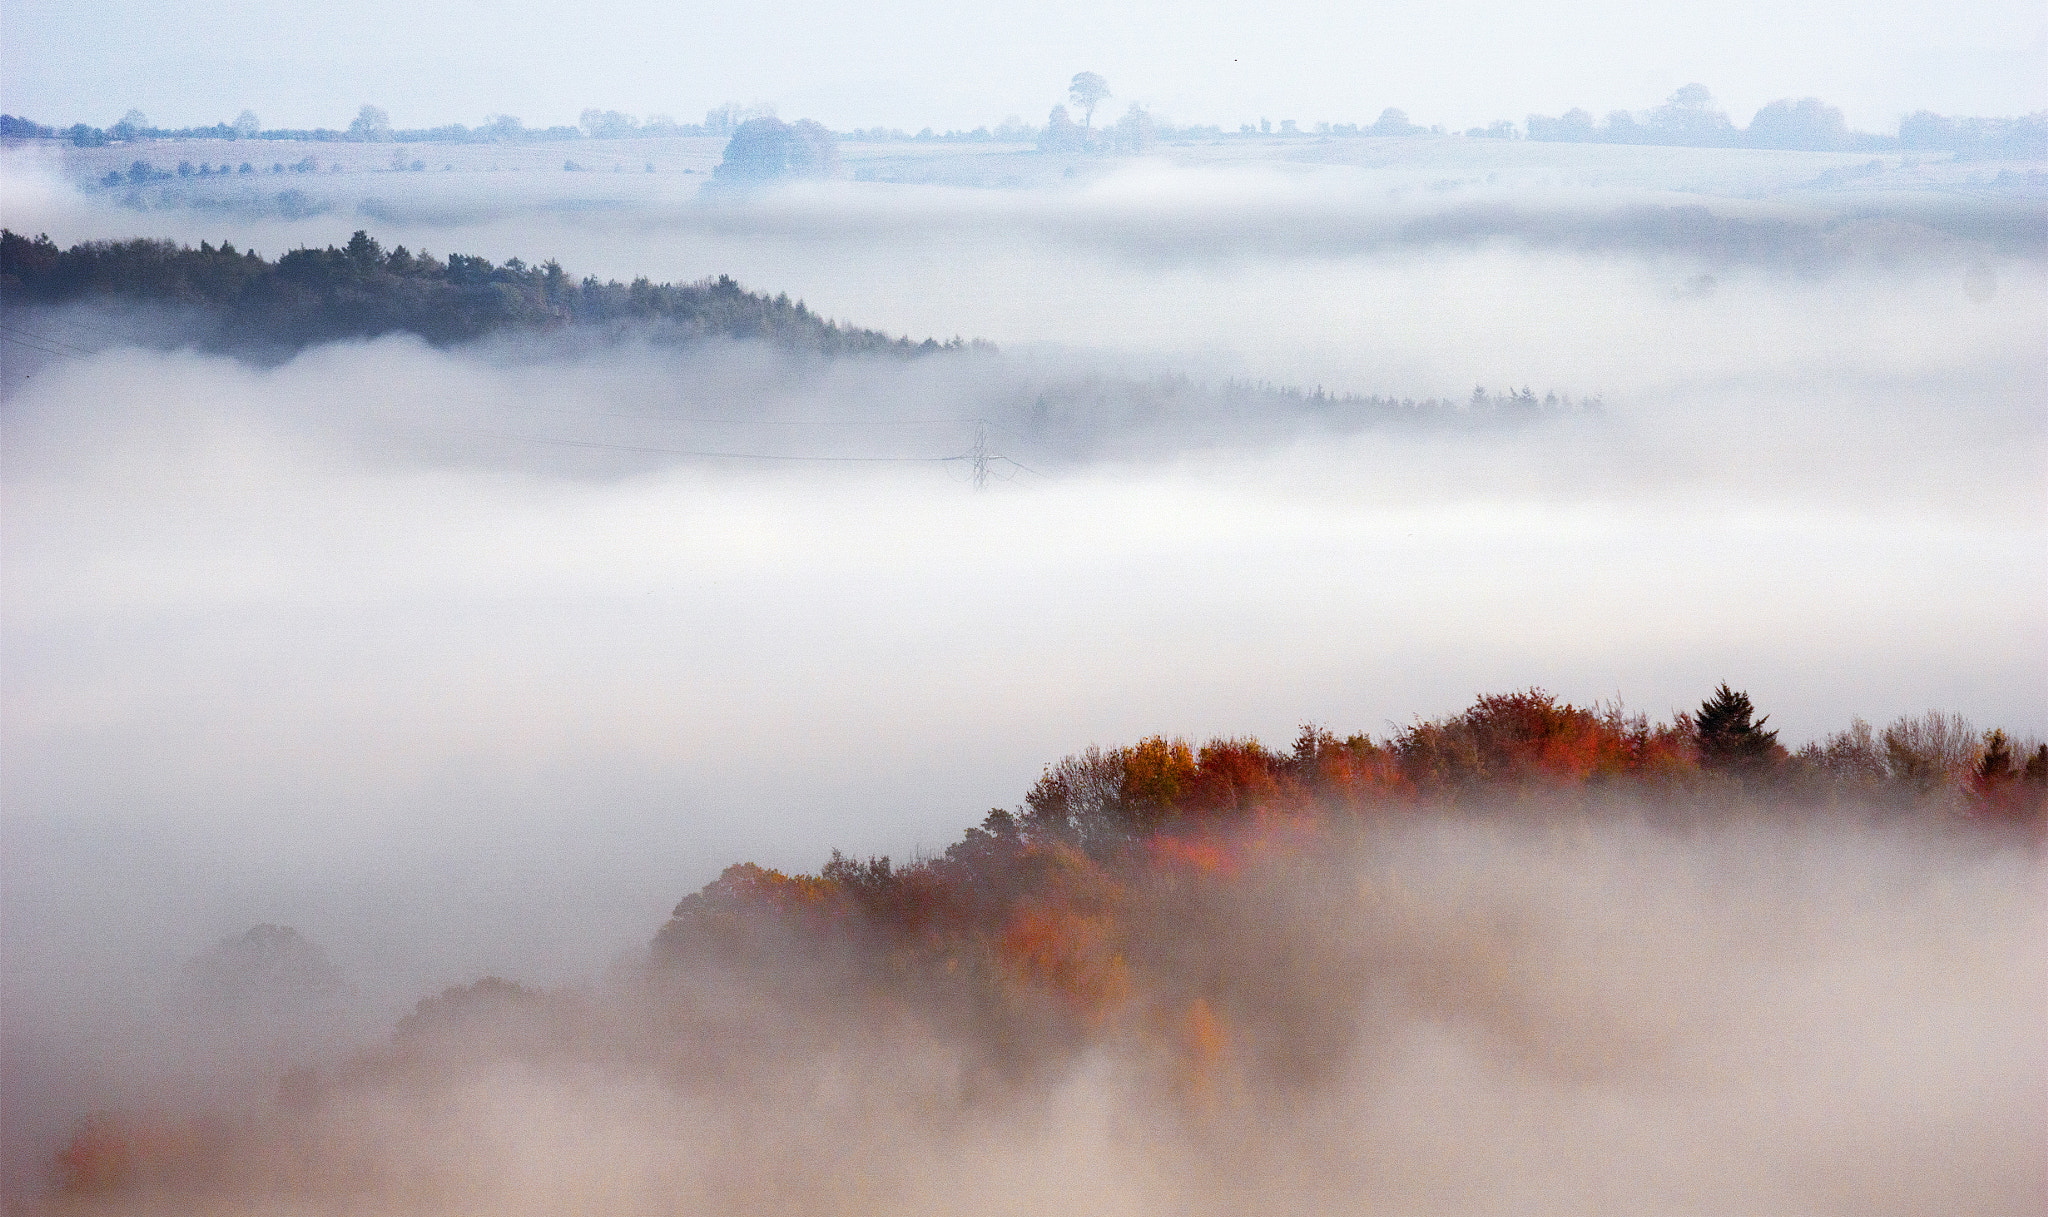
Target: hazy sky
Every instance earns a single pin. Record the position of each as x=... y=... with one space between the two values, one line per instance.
x=916 y=62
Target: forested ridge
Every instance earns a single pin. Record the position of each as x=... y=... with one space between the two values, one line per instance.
x=1199 y=908
x=1061 y=894
x=362 y=290
x=236 y=302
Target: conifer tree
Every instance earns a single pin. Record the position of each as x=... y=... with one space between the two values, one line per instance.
x=1727 y=736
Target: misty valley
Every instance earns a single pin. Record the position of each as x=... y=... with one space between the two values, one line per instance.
x=1086 y=669
x=1163 y=945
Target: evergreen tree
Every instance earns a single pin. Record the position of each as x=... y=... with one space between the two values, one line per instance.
x=1727 y=736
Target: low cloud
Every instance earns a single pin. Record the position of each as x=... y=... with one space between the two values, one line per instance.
x=471 y=661
x=1471 y=1013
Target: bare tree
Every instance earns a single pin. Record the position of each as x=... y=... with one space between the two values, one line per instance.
x=1935 y=749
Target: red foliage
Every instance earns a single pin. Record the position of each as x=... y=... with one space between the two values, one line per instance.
x=1045 y=929
x=1045 y=893
x=1518 y=739
x=1236 y=775
x=102 y=1155
x=121 y=1152
x=1207 y=857
x=1070 y=953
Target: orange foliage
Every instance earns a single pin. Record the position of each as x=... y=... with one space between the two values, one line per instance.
x=111 y=1153
x=1069 y=953
x=1092 y=898
x=1201 y=1040
x=1208 y=857
x=1530 y=737
x=1236 y=775
x=101 y=1156
x=1073 y=895
x=1157 y=775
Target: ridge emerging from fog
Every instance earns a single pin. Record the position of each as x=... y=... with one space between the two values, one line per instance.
x=240 y=302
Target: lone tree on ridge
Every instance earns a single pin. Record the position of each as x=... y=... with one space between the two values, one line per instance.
x=1087 y=90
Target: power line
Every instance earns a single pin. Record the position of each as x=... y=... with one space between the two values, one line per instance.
x=74 y=348
x=23 y=342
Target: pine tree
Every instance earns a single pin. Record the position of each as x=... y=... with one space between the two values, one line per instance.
x=1727 y=737
x=2036 y=771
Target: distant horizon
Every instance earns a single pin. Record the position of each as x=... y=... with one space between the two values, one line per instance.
x=661 y=123
x=684 y=117
x=904 y=63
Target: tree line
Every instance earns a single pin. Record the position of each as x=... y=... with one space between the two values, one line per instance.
x=1201 y=906
x=361 y=290
x=1052 y=916
x=231 y=300
x=1529 y=746
x=1688 y=118
x=1038 y=887
x=372 y=125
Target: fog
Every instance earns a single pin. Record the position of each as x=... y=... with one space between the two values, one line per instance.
x=473 y=661
x=1450 y=1015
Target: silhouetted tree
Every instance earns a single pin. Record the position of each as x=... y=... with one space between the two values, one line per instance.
x=1135 y=131
x=762 y=149
x=1688 y=118
x=1087 y=90
x=363 y=249
x=1808 y=123
x=1061 y=134
x=1575 y=126
x=1728 y=738
x=269 y=961
x=499 y=127
x=15 y=127
x=1995 y=767
x=1393 y=122
x=607 y=124
x=371 y=125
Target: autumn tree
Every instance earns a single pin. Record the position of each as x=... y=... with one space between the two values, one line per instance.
x=1932 y=751
x=1079 y=801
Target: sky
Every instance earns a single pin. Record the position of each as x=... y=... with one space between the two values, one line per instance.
x=912 y=63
